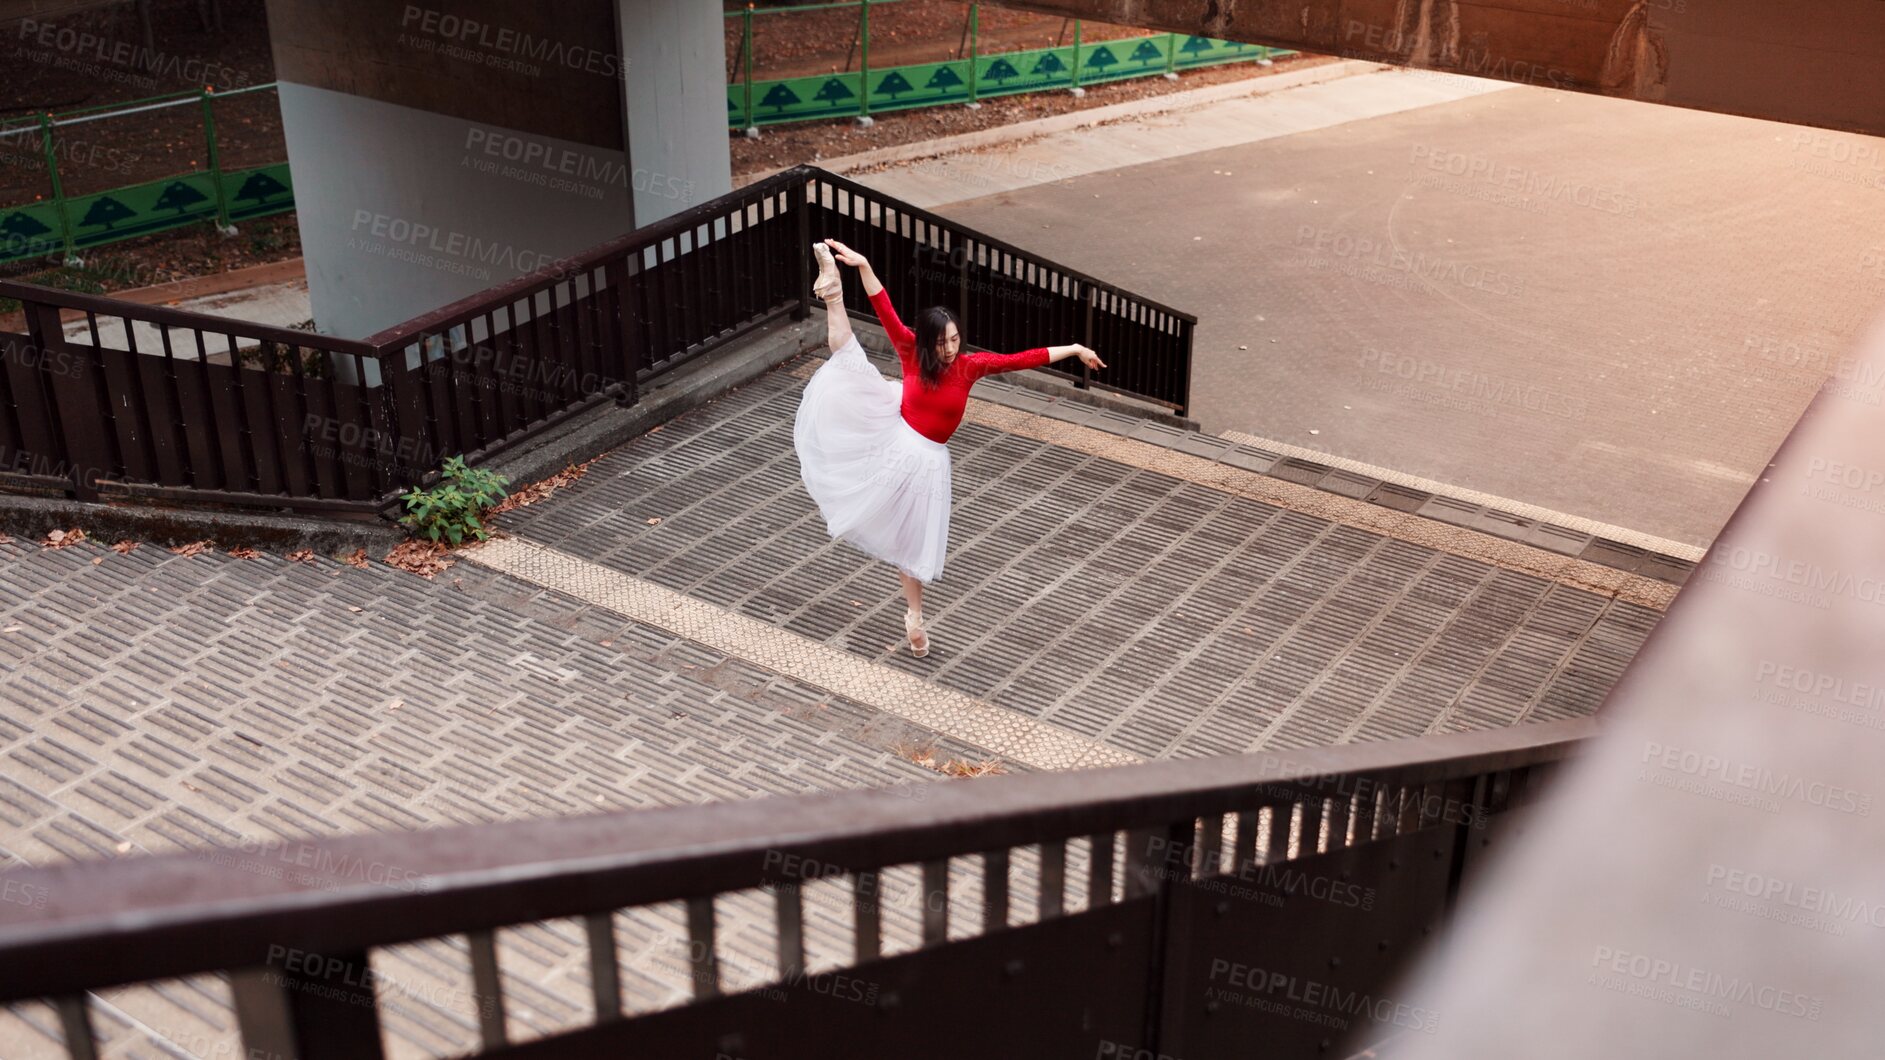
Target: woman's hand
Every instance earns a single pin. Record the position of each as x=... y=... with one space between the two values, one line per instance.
x=1088 y=357
x=845 y=255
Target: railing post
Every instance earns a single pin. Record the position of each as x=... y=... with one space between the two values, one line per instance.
x=864 y=60
x=802 y=253
x=308 y=1006
x=1076 y=56
x=1086 y=374
x=1184 y=386
x=962 y=278
x=615 y=275
x=46 y=128
x=975 y=47
x=751 y=125
x=215 y=165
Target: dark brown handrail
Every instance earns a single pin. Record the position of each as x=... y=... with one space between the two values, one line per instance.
x=518 y=287
x=114 y=922
x=180 y=318
x=1003 y=245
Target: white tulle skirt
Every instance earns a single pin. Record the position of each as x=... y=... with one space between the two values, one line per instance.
x=881 y=486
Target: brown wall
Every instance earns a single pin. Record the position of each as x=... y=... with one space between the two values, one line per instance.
x=551 y=68
x=1808 y=63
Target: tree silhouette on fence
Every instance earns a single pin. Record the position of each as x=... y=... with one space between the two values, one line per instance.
x=106 y=211
x=894 y=83
x=944 y=78
x=261 y=187
x=178 y=196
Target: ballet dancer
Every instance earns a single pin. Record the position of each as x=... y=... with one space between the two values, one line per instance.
x=872 y=451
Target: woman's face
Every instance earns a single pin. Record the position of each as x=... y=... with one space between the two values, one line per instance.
x=951 y=343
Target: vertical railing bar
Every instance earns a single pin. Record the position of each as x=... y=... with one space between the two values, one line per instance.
x=245 y=438
x=789 y=908
x=1100 y=872
x=605 y=971
x=700 y=948
x=935 y=900
x=75 y=1018
x=296 y=434
x=1053 y=897
x=487 y=987
x=140 y=408
x=995 y=890
x=179 y=435
x=867 y=916
x=213 y=436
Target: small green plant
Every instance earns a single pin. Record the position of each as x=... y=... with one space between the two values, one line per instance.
x=451 y=509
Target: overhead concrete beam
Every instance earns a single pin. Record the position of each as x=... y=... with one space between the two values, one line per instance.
x=1809 y=62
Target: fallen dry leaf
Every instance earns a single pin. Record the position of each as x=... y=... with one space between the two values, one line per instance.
x=193 y=548
x=395 y=704
x=542 y=488
x=125 y=547
x=12 y=629
x=424 y=558
x=355 y=610
x=358 y=559
x=303 y=555
x=63 y=538
x=96 y=560
x=959 y=767
x=123 y=848
x=244 y=552
x=656 y=521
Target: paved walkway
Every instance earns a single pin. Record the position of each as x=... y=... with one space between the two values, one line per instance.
x=1628 y=304
x=1161 y=603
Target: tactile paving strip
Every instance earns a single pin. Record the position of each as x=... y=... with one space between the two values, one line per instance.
x=1007 y=734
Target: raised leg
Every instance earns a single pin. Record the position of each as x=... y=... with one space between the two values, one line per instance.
x=830 y=288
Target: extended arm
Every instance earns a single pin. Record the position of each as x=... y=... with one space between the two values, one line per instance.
x=902 y=339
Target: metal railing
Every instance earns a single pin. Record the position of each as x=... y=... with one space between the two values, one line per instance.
x=1196 y=885
x=103 y=398
x=57 y=221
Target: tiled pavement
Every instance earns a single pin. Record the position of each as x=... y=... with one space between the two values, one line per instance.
x=1127 y=603
x=153 y=702
x=1114 y=591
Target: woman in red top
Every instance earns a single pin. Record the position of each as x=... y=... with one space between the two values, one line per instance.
x=871 y=450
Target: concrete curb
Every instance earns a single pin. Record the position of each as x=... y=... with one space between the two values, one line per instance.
x=980 y=138
x=34 y=517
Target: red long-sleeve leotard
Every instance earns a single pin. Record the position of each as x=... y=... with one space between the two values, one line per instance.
x=936 y=413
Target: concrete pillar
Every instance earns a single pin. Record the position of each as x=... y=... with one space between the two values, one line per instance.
x=438 y=150
x=674 y=104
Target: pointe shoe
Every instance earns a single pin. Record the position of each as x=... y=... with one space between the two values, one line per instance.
x=828 y=285
x=913 y=629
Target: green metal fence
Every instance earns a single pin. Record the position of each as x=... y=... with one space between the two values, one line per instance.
x=56 y=222
x=869 y=90
x=60 y=223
